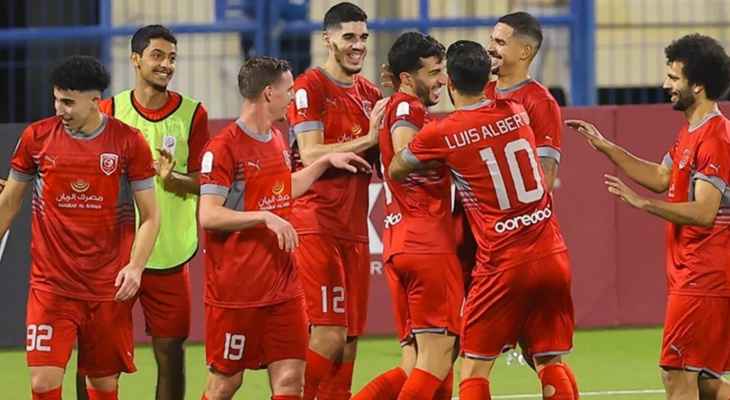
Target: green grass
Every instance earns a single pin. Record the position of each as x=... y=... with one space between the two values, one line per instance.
x=621 y=359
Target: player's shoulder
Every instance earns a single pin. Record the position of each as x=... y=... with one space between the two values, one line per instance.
x=537 y=92
x=184 y=97
x=369 y=87
x=716 y=129
x=312 y=76
x=43 y=127
x=405 y=104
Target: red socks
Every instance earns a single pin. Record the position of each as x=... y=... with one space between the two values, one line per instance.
x=421 y=385
x=54 y=394
x=474 y=389
x=446 y=390
x=284 y=397
x=337 y=384
x=573 y=382
x=556 y=382
x=204 y=397
x=99 y=395
x=383 y=387
x=317 y=369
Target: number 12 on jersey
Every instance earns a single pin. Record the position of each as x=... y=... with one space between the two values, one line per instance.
x=510 y=151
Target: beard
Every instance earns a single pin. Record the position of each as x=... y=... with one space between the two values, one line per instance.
x=340 y=58
x=685 y=100
x=158 y=87
x=424 y=94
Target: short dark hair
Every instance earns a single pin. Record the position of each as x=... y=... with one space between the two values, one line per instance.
x=468 y=66
x=257 y=73
x=407 y=51
x=705 y=63
x=141 y=39
x=80 y=73
x=341 y=13
x=524 y=24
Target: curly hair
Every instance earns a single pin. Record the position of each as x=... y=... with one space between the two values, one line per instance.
x=704 y=61
x=80 y=73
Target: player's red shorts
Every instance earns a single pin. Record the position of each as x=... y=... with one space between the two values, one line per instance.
x=530 y=303
x=165 y=299
x=252 y=338
x=103 y=330
x=427 y=292
x=697 y=334
x=335 y=274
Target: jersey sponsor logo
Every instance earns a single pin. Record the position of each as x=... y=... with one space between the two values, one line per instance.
x=685 y=159
x=403 y=109
x=523 y=220
x=108 y=163
x=80 y=186
x=278 y=188
x=206 y=166
x=301 y=100
x=392 y=219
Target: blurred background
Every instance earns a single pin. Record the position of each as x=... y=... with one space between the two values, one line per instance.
x=595 y=51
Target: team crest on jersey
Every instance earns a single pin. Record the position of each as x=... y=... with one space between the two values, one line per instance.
x=168 y=143
x=367 y=106
x=108 y=163
x=685 y=159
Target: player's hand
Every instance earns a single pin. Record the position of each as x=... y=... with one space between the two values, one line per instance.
x=164 y=165
x=622 y=191
x=350 y=162
x=386 y=76
x=590 y=133
x=127 y=283
x=376 y=120
x=285 y=233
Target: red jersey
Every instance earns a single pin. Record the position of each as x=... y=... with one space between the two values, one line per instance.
x=199 y=134
x=490 y=150
x=83 y=219
x=698 y=258
x=418 y=210
x=337 y=204
x=543 y=110
x=246 y=268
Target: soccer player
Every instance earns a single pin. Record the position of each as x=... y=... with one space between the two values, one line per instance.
x=695 y=174
x=88 y=172
x=176 y=128
x=330 y=114
x=423 y=272
x=513 y=44
x=521 y=283
x=254 y=308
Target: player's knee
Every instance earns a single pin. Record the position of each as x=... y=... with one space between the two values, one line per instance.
x=221 y=389
x=289 y=381
x=329 y=340
x=713 y=388
x=104 y=384
x=471 y=368
x=45 y=379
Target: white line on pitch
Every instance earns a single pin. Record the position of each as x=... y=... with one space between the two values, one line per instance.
x=586 y=394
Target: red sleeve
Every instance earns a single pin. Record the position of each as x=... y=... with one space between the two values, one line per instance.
x=407 y=113
x=217 y=168
x=22 y=165
x=713 y=161
x=140 y=159
x=199 y=136
x=546 y=122
x=106 y=106
x=305 y=113
x=428 y=145
x=668 y=159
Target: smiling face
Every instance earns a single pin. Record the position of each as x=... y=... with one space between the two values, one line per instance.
x=75 y=108
x=428 y=81
x=506 y=50
x=348 y=45
x=156 y=65
x=280 y=94
x=680 y=91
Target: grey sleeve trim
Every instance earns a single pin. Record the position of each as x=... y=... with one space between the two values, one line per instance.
x=20 y=176
x=307 y=126
x=718 y=183
x=411 y=159
x=402 y=123
x=217 y=190
x=143 y=184
x=548 y=152
x=667 y=161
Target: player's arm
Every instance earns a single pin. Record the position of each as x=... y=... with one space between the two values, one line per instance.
x=188 y=183
x=214 y=215
x=11 y=198
x=650 y=175
x=129 y=278
x=175 y=181
x=550 y=170
x=304 y=178
x=700 y=212
x=312 y=147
